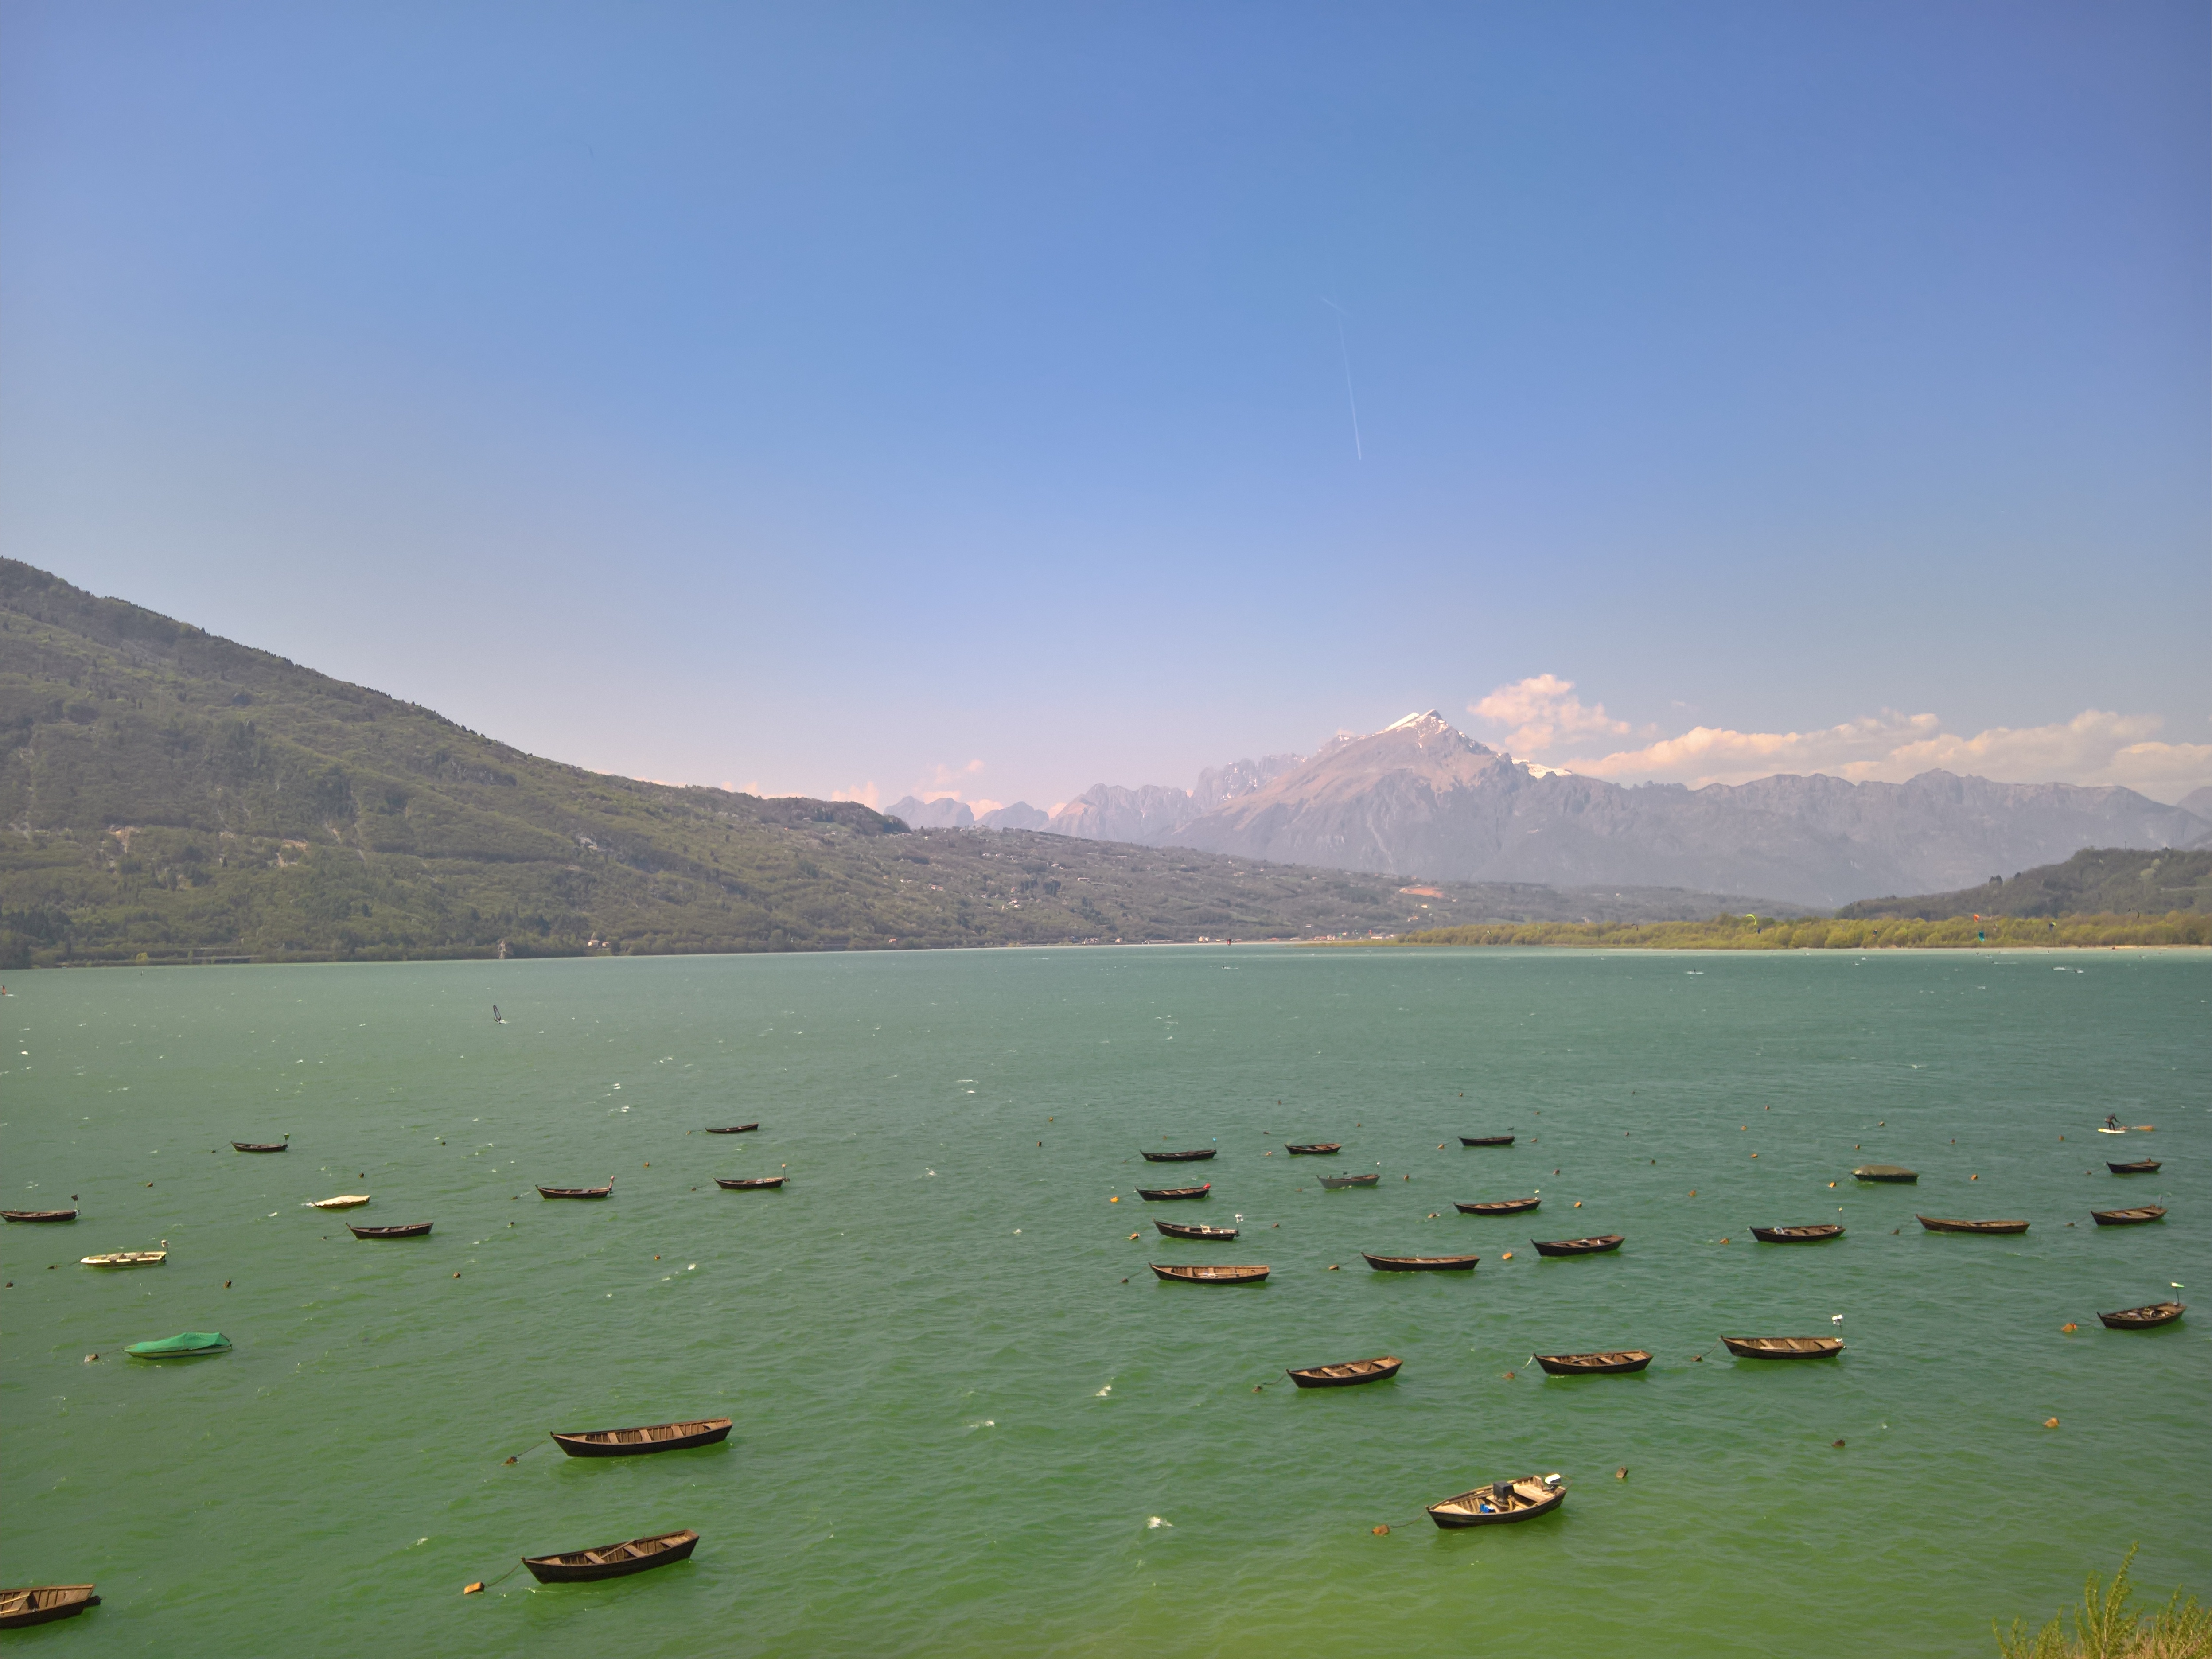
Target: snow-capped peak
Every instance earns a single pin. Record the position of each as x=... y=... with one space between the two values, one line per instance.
x=1431 y=718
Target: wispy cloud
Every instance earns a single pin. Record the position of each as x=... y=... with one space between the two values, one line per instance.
x=2097 y=746
x=865 y=793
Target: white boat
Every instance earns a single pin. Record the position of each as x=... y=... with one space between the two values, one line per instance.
x=343 y=1201
x=126 y=1258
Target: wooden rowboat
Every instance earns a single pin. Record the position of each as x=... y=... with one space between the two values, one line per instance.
x=126 y=1258
x=1162 y=1195
x=1210 y=1275
x=1185 y=1230
x=1595 y=1364
x=39 y=1603
x=2143 y=1319
x=183 y=1345
x=736 y=1129
x=1485 y=1140
x=1349 y=1373
x=2134 y=1217
x=37 y=1215
x=1498 y=1206
x=1597 y=1246
x=655 y=1437
x=612 y=1560
x=1785 y=1347
x=576 y=1192
x=1938 y=1224
x=1332 y=1183
x=1890 y=1172
x=1524 y=1499
x=259 y=1145
x=1813 y=1235
x=1422 y=1264
x=1179 y=1157
x=343 y=1201
x=2140 y=1166
x=1314 y=1148
x=751 y=1183
x=410 y=1230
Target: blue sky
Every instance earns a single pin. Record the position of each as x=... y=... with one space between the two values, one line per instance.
x=836 y=397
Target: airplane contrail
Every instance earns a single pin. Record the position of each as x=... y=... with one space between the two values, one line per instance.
x=1359 y=452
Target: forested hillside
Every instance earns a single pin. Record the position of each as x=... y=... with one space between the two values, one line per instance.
x=2109 y=880
x=170 y=793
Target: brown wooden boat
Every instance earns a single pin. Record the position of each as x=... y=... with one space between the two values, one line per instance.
x=1210 y=1275
x=2139 y=1166
x=612 y=1560
x=1890 y=1172
x=1332 y=1183
x=1498 y=1206
x=410 y=1229
x=1421 y=1264
x=1597 y=1246
x=736 y=1129
x=1813 y=1235
x=260 y=1146
x=126 y=1258
x=1179 y=1157
x=1185 y=1230
x=1938 y=1224
x=40 y=1604
x=1162 y=1195
x=653 y=1438
x=1349 y=1373
x=1314 y=1148
x=576 y=1192
x=2143 y=1319
x=2134 y=1217
x=38 y=1215
x=751 y=1183
x=1609 y=1363
x=1785 y=1347
x=1485 y=1140
x=1524 y=1499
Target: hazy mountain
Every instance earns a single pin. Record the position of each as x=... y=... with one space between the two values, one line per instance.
x=1421 y=798
x=1017 y=815
x=2095 y=881
x=2199 y=801
x=945 y=813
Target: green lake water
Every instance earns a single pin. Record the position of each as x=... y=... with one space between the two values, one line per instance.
x=970 y=1421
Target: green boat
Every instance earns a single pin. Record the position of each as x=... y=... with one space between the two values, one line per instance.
x=183 y=1344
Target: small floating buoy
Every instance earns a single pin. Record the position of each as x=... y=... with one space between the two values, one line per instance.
x=457 y=1275
x=1508 y=1256
x=1578 y=1204
x=1974 y=1177
x=510 y=1460
x=475 y=1589
x=2069 y=1327
x=1621 y=1474
x=1509 y=1376
x=1125 y=1282
x=1332 y=1267
x=1381 y=1532
x=89 y=1358
x=1113 y=1201
x=2049 y=1422
x=1836 y=1443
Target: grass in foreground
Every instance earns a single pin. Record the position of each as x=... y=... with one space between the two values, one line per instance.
x=1835 y=933
x=2107 y=1627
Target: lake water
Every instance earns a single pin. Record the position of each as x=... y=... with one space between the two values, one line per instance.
x=970 y=1421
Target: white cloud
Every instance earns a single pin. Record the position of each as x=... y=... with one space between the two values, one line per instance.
x=2095 y=747
x=1542 y=710
x=865 y=793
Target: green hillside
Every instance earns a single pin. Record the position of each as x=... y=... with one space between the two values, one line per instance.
x=2096 y=880
x=171 y=794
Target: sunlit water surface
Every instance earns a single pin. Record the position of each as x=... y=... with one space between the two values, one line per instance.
x=970 y=1421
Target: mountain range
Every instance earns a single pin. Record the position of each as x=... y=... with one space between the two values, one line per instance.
x=1421 y=799
x=169 y=795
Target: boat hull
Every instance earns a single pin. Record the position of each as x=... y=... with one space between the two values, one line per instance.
x=1819 y=1235
x=1205 y=1235
x=260 y=1146
x=41 y=1604
x=411 y=1230
x=1594 y=1364
x=1207 y=1275
x=1201 y=1154
x=606 y=1191
x=1773 y=1347
x=1451 y=1515
x=736 y=1129
x=1337 y=1183
x=572 y=1569
x=38 y=1215
x=1422 y=1264
x=1501 y=1207
x=1315 y=1149
x=2145 y=1318
x=751 y=1183
x=1940 y=1225
x=1485 y=1140
x=2127 y=1218
x=1171 y=1194
x=2140 y=1166
x=1579 y=1246
x=190 y=1345
x=1886 y=1175
x=1349 y=1374
x=707 y=1432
